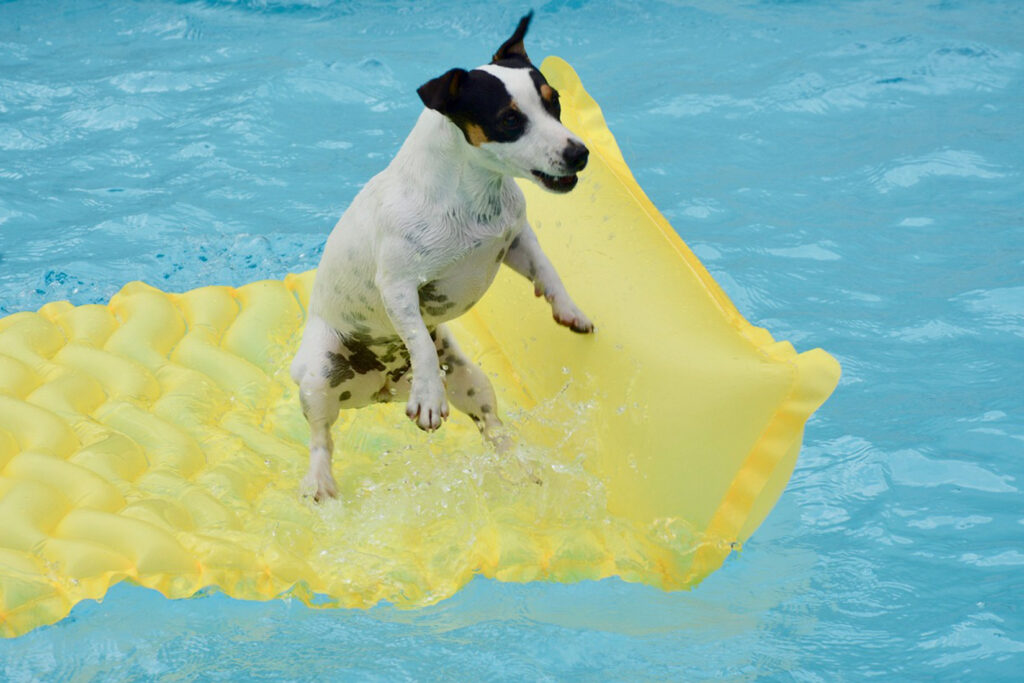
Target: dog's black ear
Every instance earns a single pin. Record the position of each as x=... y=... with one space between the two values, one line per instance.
x=438 y=93
x=513 y=47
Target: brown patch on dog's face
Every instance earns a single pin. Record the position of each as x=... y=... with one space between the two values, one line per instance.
x=475 y=134
x=548 y=95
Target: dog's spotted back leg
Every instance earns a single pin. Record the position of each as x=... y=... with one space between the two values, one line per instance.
x=470 y=392
x=314 y=373
x=319 y=481
x=467 y=386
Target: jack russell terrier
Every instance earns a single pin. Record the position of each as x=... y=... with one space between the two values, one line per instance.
x=422 y=242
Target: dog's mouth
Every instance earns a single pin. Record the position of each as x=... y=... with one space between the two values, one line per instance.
x=562 y=183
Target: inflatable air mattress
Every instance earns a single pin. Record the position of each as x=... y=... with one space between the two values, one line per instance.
x=159 y=439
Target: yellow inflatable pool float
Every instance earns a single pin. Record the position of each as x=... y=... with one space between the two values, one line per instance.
x=158 y=439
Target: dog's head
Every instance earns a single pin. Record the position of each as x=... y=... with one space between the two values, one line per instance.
x=510 y=115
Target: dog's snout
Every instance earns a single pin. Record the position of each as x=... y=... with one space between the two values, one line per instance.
x=575 y=156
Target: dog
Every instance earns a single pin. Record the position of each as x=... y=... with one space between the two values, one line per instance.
x=421 y=243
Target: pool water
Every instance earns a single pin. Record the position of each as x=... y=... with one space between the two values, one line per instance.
x=852 y=174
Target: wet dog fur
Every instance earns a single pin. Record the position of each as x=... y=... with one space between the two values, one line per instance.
x=422 y=242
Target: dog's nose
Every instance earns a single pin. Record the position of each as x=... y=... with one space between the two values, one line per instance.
x=575 y=156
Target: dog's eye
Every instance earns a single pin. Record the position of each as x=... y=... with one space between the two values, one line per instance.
x=512 y=120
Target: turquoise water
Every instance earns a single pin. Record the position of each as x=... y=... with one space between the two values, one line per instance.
x=852 y=173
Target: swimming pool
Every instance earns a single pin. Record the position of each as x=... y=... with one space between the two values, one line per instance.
x=849 y=172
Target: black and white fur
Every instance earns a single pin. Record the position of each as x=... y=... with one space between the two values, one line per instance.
x=422 y=242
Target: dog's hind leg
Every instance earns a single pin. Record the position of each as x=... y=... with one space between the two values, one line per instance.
x=467 y=386
x=312 y=371
x=321 y=410
x=470 y=392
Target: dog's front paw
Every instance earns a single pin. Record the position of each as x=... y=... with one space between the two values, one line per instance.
x=427 y=405
x=566 y=313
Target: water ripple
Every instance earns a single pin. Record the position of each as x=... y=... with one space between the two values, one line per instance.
x=977 y=637
x=1000 y=308
x=163 y=81
x=904 y=173
x=911 y=468
x=861 y=75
